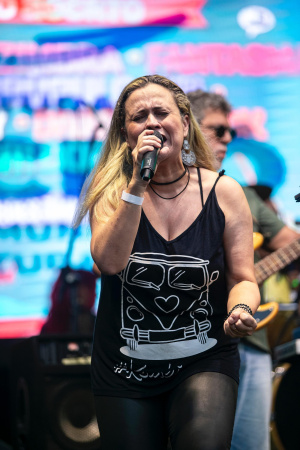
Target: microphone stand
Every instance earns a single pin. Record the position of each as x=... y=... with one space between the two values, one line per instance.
x=71 y=278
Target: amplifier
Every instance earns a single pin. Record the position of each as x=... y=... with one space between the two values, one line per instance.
x=63 y=351
x=52 y=402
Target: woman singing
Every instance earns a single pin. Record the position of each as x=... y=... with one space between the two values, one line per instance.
x=175 y=252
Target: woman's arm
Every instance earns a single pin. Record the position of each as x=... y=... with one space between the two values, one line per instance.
x=113 y=239
x=239 y=253
x=96 y=271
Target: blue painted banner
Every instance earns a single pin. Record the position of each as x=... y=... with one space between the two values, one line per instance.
x=59 y=81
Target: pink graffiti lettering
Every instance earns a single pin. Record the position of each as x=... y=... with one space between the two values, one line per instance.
x=223 y=59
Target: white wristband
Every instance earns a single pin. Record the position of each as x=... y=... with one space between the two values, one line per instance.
x=129 y=198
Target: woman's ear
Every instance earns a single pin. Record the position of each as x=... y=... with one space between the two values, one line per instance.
x=186 y=125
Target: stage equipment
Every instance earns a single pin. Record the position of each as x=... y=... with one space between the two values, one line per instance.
x=51 y=400
x=286 y=395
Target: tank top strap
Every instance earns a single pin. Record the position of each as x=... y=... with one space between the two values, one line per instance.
x=221 y=173
x=200 y=183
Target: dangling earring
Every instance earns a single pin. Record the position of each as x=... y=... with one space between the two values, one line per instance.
x=187 y=155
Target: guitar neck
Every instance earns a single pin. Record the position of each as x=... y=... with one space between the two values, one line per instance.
x=276 y=261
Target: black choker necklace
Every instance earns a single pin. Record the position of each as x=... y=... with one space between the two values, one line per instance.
x=170 y=198
x=170 y=182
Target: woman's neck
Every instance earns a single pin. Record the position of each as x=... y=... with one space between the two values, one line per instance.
x=167 y=172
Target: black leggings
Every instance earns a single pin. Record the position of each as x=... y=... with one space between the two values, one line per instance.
x=197 y=415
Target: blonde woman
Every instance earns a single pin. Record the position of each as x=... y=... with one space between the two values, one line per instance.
x=178 y=287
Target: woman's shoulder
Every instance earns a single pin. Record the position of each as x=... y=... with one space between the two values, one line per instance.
x=227 y=188
x=226 y=182
x=230 y=194
x=229 y=183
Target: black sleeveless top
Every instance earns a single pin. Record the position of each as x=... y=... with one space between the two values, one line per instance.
x=161 y=319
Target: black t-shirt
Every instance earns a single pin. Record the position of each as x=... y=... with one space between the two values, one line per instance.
x=161 y=319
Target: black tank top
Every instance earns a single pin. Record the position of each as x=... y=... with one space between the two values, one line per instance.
x=161 y=319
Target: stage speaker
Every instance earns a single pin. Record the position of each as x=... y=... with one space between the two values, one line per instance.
x=52 y=405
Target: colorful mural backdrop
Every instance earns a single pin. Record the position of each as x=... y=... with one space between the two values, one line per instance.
x=62 y=67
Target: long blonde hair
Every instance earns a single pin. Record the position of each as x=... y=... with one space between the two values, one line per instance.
x=114 y=168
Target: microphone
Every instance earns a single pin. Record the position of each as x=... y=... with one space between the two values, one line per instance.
x=150 y=159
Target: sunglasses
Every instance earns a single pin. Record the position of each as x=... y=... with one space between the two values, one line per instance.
x=221 y=130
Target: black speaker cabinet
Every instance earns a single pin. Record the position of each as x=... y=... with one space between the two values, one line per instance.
x=52 y=405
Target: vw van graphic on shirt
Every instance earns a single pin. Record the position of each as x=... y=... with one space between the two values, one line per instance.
x=165 y=306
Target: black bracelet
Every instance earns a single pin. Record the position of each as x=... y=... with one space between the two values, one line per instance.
x=242 y=306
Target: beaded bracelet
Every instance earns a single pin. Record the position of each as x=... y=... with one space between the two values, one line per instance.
x=242 y=306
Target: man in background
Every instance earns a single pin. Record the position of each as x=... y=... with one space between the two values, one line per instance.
x=252 y=420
